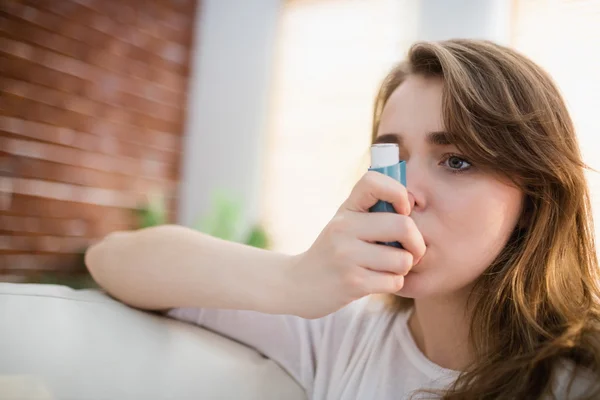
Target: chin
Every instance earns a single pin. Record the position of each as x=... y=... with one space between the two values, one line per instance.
x=422 y=284
x=429 y=284
x=414 y=287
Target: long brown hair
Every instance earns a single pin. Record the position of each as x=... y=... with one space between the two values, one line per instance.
x=537 y=305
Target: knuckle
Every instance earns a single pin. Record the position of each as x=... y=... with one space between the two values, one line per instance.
x=389 y=259
x=406 y=226
x=392 y=284
x=369 y=176
x=405 y=222
x=411 y=225
x=338 y=224
x=398 y=283
x=341 y=253
x=398 y=225
x=370 y=179
x=355 y=282
x=405 y=262
x=399 y=261
x=400 y=191
x=388 y=284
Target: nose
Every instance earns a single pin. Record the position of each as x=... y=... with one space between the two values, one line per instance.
x=416 y=182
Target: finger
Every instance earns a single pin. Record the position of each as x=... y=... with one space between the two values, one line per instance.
x=375 y=186
x=381 y=282
x=382 y=258
x=387 y=227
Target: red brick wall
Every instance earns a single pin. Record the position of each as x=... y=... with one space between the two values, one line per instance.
x=92 y=102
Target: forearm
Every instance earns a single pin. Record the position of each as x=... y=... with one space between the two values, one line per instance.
x=173 y=266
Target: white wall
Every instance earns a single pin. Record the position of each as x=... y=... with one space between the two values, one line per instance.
x=475 y=19
x=227 y=104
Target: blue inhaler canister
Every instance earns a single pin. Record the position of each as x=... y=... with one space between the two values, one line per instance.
x=385 y=158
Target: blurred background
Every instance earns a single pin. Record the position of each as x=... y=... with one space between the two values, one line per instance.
x=246 y=119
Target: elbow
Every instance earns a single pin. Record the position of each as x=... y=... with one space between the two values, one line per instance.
x=92 y=259
x=95 y=263
x=100 y=258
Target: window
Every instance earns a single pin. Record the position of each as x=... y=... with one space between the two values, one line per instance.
x=332 y=56
x=563 y=36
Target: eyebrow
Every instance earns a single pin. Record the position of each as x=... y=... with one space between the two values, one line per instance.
x=439 y=138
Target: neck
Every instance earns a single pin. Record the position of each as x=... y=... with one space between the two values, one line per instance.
x=440 y=328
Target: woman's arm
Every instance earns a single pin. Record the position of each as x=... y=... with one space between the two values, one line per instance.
x=173 y=266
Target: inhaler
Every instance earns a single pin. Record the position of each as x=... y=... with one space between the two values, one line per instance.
x=385 y=158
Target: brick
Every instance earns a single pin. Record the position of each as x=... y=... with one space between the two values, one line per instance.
x=174 y=53
x=77 y=158
x=31 y=33
x=37 y=93
x=165 y=140
x=152 y=123
x=30 y=206
x=76 y=227
x=17 y=49
x=23 y=70
x=71 y=10
x=42 y=244
x=66 y=65
x=48 y=133
x=141 y=54
x=119 y=115
x=40 y=262
x=44 y=170
x=74 y=193
x=51 y=22
x=153 y=92
x=123 y=13
x=19 y=107
x=93 y=97
x=106 y=60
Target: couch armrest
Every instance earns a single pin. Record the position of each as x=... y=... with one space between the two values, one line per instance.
x=59 y=343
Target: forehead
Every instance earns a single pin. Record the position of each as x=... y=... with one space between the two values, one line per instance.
x=414 y=108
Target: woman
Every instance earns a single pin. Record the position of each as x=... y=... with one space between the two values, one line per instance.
x=495 y=294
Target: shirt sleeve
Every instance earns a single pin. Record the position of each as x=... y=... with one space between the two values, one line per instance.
x=290 y=341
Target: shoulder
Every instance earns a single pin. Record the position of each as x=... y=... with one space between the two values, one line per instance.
x=573 y=382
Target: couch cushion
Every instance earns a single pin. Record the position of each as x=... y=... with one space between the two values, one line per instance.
x=59 y=343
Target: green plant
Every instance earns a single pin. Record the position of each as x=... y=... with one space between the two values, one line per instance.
x=224 y=219
x=258 y=237
x=77 y=277
x=152 y=213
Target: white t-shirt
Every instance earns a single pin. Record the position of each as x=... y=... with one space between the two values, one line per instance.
x=363 y=351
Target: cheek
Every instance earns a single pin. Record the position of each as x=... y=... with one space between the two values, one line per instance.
x=474 y=226
x=466 y=230
x=480 y=222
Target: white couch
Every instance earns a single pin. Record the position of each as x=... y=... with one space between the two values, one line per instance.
x=59 y=343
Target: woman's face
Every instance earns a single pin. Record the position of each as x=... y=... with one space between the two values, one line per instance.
x=465 y=215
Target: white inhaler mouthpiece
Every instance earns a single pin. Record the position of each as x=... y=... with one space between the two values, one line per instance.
x=384 y=155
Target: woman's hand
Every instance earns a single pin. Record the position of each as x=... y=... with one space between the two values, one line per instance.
x=173 y=266
x=345 y=263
